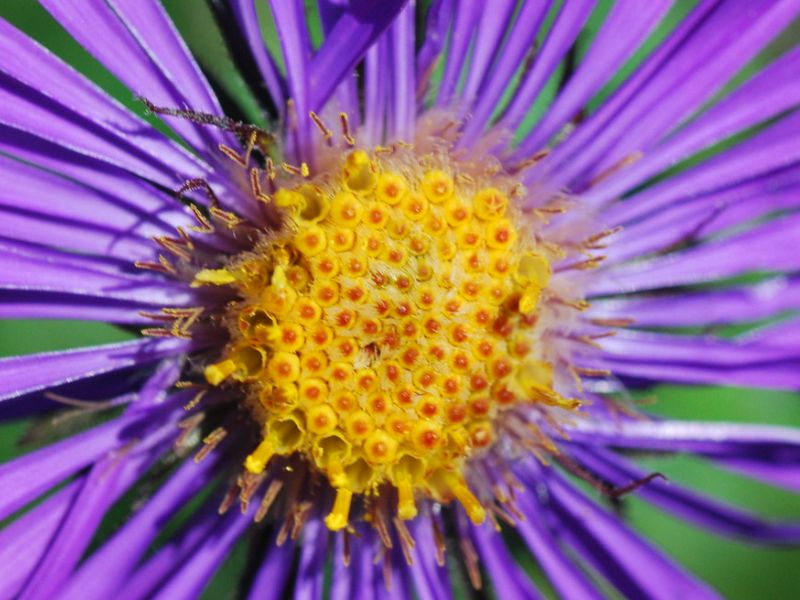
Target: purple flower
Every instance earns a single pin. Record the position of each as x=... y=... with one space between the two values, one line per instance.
x=404 y=315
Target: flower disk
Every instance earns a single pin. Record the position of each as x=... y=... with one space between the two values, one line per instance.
x=389 y=325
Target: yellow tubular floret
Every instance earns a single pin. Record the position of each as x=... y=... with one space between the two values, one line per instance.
x=213 y=277
x=437 y=186
x=360 y=172
x=391 y=188
x=474 y=509
x=490 y=204
x=406 y=506
x=217 y=373
x=337 y=519
x=257 y=461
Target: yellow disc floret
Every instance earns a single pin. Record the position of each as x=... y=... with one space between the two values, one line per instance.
x=382 y=332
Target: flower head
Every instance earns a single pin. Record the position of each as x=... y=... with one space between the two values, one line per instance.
x=401 y=315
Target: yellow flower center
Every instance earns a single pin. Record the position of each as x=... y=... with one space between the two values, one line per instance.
x=384 y=331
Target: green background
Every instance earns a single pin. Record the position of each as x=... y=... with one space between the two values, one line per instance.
x=736 y=569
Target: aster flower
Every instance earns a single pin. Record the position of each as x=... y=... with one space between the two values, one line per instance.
x=397 y=326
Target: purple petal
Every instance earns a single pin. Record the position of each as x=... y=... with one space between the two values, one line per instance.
x=493 y=23
x=16 y=304
x=356 y=30
x=440 y=14
x=149 y=23
x=330 y=11
x=754 y=361
x=507 y=578
x=465 y=22
x=99 y=576
x=566 y=577
x=632 y=565
x=625 y=28
x=771 y=181
x=24 y=540
x=105 y=483
x=68 y=215
x=290 y=23
x=705 y=350
x=75 y=235
x=770 y=150
x=138 y=44
x=717 y=307
x=695 y=61
x=784 y=335
x=21 y=375
x=270 y=581
x=43 y=96
x=313 y=554
x=193 y=575
x=401 y=586
x=119 y=186
x=158 y=569
x=369 y=584
x=783 y=376
x=347 y=98
x=776 y=475
x=562 y=34
x=767 y=452
x=747 y=212
x=114 y=388
x=156 y=390
x=100 y=264
x=765 y=96
x=732 y=440
x=557 y=166
x=520 y=41
x=51 y=271
x=58 y=461
x=28 y=110
x=247 y=19
x=376 y=66
x=686 y=504
x=738 y=36
x=694 y=219
x=360 y=578
x=431 y=581
x=401 y=44
x=343 y=575
x=766 y=250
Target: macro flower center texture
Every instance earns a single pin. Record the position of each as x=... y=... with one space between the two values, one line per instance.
x=385 y=331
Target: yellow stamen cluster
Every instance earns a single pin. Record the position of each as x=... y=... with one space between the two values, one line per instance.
x=382 y=333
